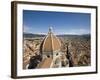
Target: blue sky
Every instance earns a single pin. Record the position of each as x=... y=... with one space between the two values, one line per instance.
x=38 y=22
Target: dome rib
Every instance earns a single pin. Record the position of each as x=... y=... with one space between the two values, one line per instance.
x=51 y=43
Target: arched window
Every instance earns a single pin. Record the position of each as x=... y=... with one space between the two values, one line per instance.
x=48 y=56
x=57 y=54
x=57 y=61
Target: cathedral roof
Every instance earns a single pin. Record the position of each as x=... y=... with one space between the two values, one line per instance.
x=51 y=42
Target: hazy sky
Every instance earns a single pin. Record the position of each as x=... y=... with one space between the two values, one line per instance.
x=62 y=22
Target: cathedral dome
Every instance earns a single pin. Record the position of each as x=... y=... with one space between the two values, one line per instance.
x=51 y=42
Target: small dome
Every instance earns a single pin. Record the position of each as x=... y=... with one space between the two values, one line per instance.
x=51 y=42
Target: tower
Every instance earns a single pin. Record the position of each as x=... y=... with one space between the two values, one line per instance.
x=69 y=57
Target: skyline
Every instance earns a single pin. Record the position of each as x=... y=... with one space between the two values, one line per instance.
x=38 y=22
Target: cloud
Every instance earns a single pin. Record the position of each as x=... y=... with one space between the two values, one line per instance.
x=28 y=29
x=78 y=31
x=73 y=31
x=56 y=31
x=32 y=30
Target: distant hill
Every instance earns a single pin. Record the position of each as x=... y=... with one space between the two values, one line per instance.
x=84 y=36
x=71 y=35
x=30 y=35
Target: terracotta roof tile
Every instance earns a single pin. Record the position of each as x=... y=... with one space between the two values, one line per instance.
x=46 y=63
